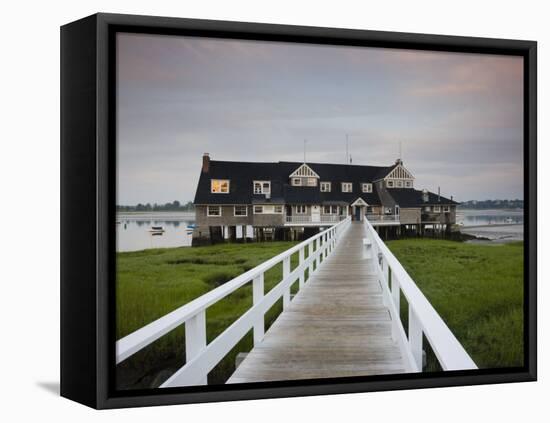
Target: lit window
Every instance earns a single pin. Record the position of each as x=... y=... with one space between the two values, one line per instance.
x=214 y=211
x=262 y=187
x=240 y=211
x=297 y=182
x=346 y=187
x=300 y=209
x=219 y=186
x=325 y=186
x=366 y=187
x=390 y=184
x=258 y=209
x=427 y=208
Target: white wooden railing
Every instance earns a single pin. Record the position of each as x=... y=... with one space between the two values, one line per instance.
x=423 y=319
x=323 y=218
x=202 y=357
x=383 y=218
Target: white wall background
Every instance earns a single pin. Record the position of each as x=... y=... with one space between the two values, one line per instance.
x=29 y=197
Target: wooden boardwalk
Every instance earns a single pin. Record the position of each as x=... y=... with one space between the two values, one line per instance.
x=336 y=326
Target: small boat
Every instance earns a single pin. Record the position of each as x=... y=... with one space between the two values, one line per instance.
x=509 y=220
x=191 y=226
x=156 y=229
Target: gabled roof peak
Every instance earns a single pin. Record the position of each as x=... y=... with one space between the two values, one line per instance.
x=304 y=170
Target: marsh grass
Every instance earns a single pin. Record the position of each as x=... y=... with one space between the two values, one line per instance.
x=476 y=289
x=152 y=283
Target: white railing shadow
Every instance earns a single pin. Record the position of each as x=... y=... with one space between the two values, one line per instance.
x=201 y=357
x=423 y=318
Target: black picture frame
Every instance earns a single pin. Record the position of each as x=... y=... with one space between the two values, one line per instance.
x=88 y=208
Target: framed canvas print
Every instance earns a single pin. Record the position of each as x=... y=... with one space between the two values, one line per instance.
x=256 y=211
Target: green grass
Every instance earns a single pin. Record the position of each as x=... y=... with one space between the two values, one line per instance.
x=476 y=289
x=151 y=283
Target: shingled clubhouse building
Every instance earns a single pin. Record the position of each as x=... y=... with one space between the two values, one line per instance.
x=287 y=200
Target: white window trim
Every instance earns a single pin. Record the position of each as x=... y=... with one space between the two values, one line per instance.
x=366 y=187
x=446 y=209
x=389 y=184
x=255 y=212
x=311 y=179
x=240 y=215
x=437 y=209
x=326 y=184
x=294 y=184
x=261 y=183
x=271 y=206
x=408 y=184
x=213 y=215
x=275 y=209
x=221 y=192
x=297 y=208
x=350 y=184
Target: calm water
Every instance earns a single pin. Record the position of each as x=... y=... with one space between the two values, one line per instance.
x=496 y=225
x=134 y=230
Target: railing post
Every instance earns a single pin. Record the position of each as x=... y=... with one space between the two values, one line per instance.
x=195 y=339
x=317 y=252
x=300 y=262
x=257 y=295
x=286 y=272
x=310 y=254
x=415 y=338
x=325 y=247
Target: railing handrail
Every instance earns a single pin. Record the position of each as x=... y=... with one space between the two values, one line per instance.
x=448 y=350
x=137 y=340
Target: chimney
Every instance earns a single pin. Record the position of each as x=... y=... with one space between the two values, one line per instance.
x=425 y=196
x=205 y=163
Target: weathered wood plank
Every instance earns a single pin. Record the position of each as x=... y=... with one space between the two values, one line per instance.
x=336 y=326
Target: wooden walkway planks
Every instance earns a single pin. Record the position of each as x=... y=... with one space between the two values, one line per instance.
x=336 y=326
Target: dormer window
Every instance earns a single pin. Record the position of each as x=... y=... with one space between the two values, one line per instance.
x=366 y=187
x=262 y=187
x=297 y=182
x=389 y=184
x=408 y=184
x=219 y=186
x=325 y=186
x=346 y=187
x=311 y=182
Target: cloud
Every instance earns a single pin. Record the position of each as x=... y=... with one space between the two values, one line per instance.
x=245 y=100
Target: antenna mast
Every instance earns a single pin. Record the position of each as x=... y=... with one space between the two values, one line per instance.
x=347 y=149
x=305 y=141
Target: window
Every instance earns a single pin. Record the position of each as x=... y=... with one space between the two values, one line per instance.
x=268 y=209
x=300 y=209
x=297 y=182
x=278 y=209
x=330 y=209
x=399 y=184
x=388 y=210
x=366 y=187
x=446 y=209
x=346 y=187
x=240 y=211
x=258 y=209
x=219 y=186
x=262 y=187
x=390 y=184
x=408 y=184
x=311 y=182
x=427 y=208
x=437 y=209
x=213 y=210
x=325 y=186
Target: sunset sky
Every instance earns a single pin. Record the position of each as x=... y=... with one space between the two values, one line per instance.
x=458 y=117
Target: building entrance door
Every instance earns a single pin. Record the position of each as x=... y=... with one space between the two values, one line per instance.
x=357 y=213
x=315 y=213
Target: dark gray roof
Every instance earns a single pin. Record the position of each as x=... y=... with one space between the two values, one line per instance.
x=242 y=175
x=409 y=197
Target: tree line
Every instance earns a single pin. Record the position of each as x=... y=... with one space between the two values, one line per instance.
x=492 y=204
x=173 y=206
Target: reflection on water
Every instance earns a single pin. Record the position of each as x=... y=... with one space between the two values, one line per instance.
x=135 y=230
x=488 y=217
